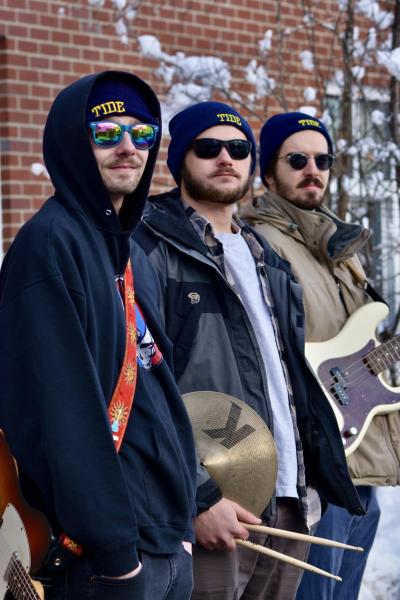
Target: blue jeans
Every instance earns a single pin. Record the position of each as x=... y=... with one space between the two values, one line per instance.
x=337 y=524
x=163 y=577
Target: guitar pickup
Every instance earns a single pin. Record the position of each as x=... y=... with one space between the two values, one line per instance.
x=340 y=394
x=338 y=389
x=338 y=376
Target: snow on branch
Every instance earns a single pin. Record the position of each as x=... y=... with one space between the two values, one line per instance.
x=257 y=76
x=125 y=12
x=190 y=78
x=390 y=60
x=307 y=60
x=38 y=169
x=371 y=10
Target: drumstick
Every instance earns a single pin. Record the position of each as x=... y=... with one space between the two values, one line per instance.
x=289 y=559
x=292 y=535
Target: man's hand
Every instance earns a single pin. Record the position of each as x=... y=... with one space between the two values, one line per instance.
x=217 y=527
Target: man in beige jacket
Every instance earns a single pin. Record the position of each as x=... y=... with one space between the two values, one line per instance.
x=296 y=155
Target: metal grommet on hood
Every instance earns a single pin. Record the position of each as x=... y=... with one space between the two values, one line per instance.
x=108 y=212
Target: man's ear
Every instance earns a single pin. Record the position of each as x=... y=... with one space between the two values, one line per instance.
x=268 y=181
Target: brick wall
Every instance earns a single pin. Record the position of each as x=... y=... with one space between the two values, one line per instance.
x=44 y=45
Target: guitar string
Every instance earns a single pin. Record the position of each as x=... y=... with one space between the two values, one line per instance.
x=13 y=561
x=24 y=583
x=27 y=585
x=353 y=382
x=360 y=364
x=377 y=350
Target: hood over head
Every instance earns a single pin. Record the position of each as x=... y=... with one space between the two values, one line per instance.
x=69 y=157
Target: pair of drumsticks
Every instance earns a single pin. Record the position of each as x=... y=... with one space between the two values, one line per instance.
x=293 y=536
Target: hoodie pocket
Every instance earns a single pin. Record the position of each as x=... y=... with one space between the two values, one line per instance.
x=168 y=483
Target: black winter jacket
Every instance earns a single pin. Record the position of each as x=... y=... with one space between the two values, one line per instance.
x=62 y=341
x=215 y=347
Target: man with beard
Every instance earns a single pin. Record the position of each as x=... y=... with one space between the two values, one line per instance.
x=88 y=400
x=296 y=156
x=234 y=314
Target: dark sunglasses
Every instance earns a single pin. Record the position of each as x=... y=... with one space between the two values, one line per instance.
x=210 y=148
x=107 y=134
x=298 y=160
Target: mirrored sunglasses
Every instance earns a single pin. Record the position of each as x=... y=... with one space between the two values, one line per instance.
x=210 y=148
x=107 y=134
x=298 y=160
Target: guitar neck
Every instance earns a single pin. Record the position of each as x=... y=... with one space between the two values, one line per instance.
x=19 y=582
x=383 y=356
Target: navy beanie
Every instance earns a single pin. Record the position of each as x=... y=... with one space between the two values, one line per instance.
x=278 y=128
x=116 y=97
x=186 y=125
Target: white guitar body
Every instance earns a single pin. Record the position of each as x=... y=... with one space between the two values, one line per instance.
x=15 y=557
x=372 y=395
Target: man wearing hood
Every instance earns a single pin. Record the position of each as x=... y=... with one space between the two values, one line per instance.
x=296 y=156
x=88 y=401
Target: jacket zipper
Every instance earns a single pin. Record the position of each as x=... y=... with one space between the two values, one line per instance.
x=204 y=259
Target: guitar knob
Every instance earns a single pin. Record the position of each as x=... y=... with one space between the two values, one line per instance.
x=350 y=432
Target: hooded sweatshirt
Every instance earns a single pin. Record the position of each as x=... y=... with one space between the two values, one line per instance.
x=62 y=342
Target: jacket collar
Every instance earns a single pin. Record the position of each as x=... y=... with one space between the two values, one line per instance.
x=166 y=213
x=320 y=230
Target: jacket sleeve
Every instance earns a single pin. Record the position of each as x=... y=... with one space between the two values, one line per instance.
x=208 y=492
x=54 y=413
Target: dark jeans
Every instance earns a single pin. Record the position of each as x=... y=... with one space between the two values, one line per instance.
x=161 y=578
x=338 y=524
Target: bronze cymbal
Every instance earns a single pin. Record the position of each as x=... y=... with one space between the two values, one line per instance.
x=235 y=446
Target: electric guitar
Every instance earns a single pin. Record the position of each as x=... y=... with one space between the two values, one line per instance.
x=349 y=369
x=24 y=534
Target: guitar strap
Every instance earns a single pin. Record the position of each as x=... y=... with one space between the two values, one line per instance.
x=122 y=399
x=359 y=276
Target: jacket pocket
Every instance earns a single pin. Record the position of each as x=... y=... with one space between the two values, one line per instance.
x=167 y=483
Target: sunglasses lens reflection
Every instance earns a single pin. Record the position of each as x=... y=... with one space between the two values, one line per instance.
x=298 y=161
x=143 y=136
x=239 y=149
x=210 y=148
x=324 y=161
x=107 y=134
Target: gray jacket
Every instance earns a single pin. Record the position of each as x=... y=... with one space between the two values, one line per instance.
x=215 y=347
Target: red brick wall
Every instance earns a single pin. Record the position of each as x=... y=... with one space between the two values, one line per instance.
x=44 y=45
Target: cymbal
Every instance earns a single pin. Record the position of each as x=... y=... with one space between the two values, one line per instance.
x=235 y=446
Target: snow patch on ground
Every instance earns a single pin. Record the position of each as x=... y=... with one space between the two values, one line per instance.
x=382 y=575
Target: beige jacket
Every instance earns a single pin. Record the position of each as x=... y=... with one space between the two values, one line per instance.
x=322 y=252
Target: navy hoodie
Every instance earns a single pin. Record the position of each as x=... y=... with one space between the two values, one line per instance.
x=62 y=341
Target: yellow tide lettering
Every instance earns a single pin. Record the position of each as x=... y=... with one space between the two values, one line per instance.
x=309 y=123
x=228 y=118
x=96 y=110
x=117 y=106
x=120 y=106
x=108 y=107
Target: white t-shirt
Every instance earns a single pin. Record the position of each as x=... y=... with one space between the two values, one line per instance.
x=241 y=266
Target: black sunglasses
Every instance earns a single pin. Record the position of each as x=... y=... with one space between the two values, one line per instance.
x=298 y=160
x=210 y=148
